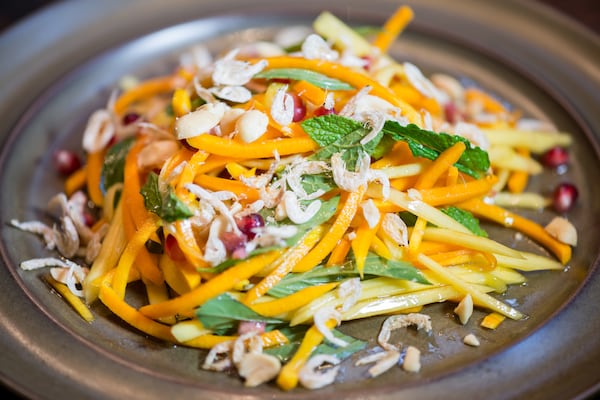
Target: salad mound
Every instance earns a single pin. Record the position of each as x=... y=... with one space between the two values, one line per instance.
x=265 y=195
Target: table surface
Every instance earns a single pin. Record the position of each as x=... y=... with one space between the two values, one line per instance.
x=586 y=12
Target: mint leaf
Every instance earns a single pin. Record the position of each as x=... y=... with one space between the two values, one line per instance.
x=286 y=351
x=166 y=205
x=327 y=129
x=423 y=143
x=312 y=183
x=375 y=266
x=324 y=214
x=465 y=218
x=114 y=164
x=299 y=74
x=222 y=314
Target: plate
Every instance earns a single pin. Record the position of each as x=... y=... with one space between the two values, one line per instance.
x=52 y=80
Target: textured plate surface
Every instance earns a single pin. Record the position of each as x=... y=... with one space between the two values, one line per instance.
x=55 y=78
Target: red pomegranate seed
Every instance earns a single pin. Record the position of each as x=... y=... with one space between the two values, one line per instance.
x=251 y=326
x=130 y=118
x=248 y=222
x=555 y=157
x=564 y=197
x=173 y=250
x=451 y=112
x=299 y=108
x=320 y=111
x=232 y=241
x=66 y=162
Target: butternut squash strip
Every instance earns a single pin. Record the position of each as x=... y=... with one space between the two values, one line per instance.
x=338 y=229
x=212 y=288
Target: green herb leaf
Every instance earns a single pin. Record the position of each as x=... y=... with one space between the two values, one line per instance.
x=423 y=143
x=374 y=266
x=114 y=164
x=286 y=351
x=465 y=218
x=324 y=214
x=222 y=314
x=327 y=129
x=166 y=205
x=298 y=74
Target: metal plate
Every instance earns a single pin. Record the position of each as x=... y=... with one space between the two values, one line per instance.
x=528 y=55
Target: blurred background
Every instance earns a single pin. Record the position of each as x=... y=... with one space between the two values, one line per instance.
x=587 y=12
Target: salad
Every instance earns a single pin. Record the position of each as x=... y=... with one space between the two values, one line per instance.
x=265 y=195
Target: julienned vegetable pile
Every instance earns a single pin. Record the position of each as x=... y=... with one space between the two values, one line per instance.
x=265 y=195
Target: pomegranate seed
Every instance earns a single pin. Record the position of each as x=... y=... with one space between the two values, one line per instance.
x=248 y=222
x=564 y=197
x=232 y=241
x=173 y=250
x=89 y=219
x=320 y=111
x=451 y=112
x=299 y=108
x=555 y=157
x=251 y=326
x=368 y=62
x=130 y=118
x=66 y=162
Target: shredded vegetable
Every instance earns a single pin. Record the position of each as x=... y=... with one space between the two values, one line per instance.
x=262 y=200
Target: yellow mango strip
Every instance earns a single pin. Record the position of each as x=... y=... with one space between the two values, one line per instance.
x=269 y=339
x=186 y=240
x=336 y=232
x=93 y=173
x=74 y=301
x=361 y=244
x=182 y=155
x=452 y=176
x=469 y=240
x=310 y=92
x=441 y=164
x=492 y=320
x=128 y=257
x=429 y=247
x=466 y=288
x=444 y=195
x=132 y=316
x=289 y=260
x=236 y=170
x=212 y=288
x=158 y=294
x=416 y=236
x=188 y=174
x=215 y=163
x=132 y=197
x=259 y=149
x=216 y=184
x=489 y=103
x=148 y=88
x=77 y=180
x=484 y=260
x=517 y=181
x=403 y=183
x=180 y=276
x=339 y=253
x=379 y=248
x=293 y=301
x=357 y=79
x=399 y=155
x=288 y=376
x=181 y=102
x=511 y=220
x=393 y=27
x=113 y=245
